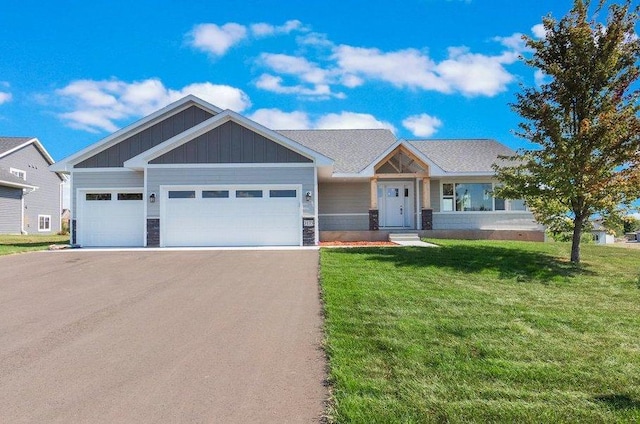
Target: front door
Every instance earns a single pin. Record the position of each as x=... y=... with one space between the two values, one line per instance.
x=395 y=199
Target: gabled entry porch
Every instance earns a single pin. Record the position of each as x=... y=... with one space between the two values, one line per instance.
x=400 y=193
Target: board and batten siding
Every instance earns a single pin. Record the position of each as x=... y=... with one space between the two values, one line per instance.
x=230 y=143
x=104 y=180
x=10 y=208
x=45 y=200
x=195 y=176
x=116 y=155
x=344 y=206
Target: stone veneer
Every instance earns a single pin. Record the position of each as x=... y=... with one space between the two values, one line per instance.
x=427 y=219
x=374 y=219
x=153 y=232
x=308 y=231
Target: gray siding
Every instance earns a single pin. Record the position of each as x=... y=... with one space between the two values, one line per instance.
x=46 y=199
x=435 y=195
x=485 y=221
x=230 y=143
x=111 y=179
x=229 y=176
x=347 y=206
x=10 y=206
x=115 y=155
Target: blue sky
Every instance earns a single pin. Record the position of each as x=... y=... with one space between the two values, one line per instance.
x=73 y=72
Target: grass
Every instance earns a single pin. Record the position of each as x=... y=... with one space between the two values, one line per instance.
x=17 y=243
x=479 y=331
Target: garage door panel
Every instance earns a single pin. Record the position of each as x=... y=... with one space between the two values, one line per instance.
x=110 y=223
x=231 y=221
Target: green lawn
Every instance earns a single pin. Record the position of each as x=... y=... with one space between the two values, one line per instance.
x=16 y=244
x=480 y=331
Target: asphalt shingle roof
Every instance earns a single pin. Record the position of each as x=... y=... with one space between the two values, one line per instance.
x=462 y=155
x=8 y=143
x=352 y=150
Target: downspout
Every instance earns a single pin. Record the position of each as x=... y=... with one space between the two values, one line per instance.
x=25 y=191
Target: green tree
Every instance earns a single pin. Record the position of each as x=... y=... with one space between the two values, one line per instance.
x=583 y=119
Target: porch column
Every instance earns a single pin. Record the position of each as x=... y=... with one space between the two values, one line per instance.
x=427 y=212
x=373 y=206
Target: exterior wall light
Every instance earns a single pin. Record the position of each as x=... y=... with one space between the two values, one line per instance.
x=307 y=196
x=152 y=198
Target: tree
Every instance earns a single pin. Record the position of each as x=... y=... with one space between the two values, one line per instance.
x=583 y=119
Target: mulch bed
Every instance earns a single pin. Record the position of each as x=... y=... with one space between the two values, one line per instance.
x=355 y=243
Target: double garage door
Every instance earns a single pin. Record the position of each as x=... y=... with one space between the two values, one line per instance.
x=231 y=216
x=260 y=215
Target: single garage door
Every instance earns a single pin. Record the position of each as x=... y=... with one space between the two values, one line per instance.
x=231 y=216
x=110 y=218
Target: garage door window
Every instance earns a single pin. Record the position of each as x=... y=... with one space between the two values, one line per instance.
x=129 y=196
x=215 y=194
x=182 y=194
x=98 y=196
x=282 y=193
x=248 y=193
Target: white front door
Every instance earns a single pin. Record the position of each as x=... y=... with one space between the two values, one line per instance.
x=395 y=202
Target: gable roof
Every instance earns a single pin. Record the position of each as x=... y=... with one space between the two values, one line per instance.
x=351 y=150
x=143 y=158
x=7 y=179
x=67 y=163
x=9 y=145
x=462 y=156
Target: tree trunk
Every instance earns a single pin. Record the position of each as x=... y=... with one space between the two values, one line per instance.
x=575 y=241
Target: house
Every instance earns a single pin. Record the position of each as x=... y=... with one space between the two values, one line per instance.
x=600 y=233
x=29 y=192
x=192 y=174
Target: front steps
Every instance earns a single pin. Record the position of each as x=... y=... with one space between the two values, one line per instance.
x=404 y=237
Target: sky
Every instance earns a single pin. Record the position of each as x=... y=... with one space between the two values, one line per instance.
x=72 y=72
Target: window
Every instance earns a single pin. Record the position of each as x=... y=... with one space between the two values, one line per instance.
x=447 y=197
x=98 y=196
x=182 y=194
x=215 y=194
x=248 y=193
x=44 y=222
x=282 y=193
x=393 y=192
x=18 y=173
x=129 y=196
x=475 y=197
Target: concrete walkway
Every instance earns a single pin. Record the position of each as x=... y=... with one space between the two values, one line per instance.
x=161 y=337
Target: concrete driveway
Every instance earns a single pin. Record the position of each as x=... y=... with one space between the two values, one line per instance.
x=163 y=337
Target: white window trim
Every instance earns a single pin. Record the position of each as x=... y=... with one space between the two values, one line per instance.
x=48 y=217
x=493 y=199
x=16 y=172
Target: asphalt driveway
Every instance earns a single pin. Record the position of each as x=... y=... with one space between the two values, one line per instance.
x=200 y=336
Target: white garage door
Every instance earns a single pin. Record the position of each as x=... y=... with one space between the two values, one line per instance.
x=110 y=218
x=231 y=216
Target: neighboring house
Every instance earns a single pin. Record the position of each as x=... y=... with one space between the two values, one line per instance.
x=600 y=233
x=192 y=174
x=29 y=191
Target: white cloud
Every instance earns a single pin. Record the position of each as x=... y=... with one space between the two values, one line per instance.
x=295 y=65
x=513 y=42
x=263 y=29
x=475 y=74
x=215 y=39
x=277 y=119
x=539 y=77
x=351 y=120
x=101 y=105
x=5 y=97
x=275 y=84
x=539 y=31
x=422 y=125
